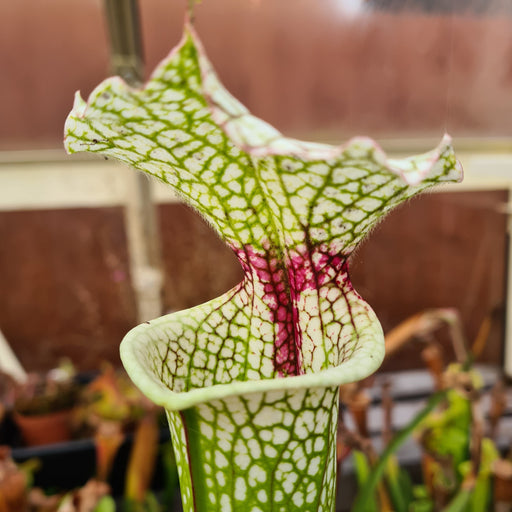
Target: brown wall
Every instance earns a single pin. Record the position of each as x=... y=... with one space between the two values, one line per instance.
x=297 y=63
x=66 y=287
x=438 y=251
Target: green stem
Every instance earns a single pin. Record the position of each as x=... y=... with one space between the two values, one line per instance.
x=367 y=491
x=258 y=451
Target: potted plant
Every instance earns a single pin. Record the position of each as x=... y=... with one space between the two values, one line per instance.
x=43 y=405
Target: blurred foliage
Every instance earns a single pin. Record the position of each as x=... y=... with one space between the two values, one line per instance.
x=462 y=468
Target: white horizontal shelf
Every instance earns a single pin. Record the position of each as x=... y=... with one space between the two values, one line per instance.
x=51 y=179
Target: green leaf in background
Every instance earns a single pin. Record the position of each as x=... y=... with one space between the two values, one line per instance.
x=106 y=504
x=482 y=492
x=250 y=379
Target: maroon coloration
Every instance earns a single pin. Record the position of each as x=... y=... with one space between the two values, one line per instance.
x=311 y=271
x=283 y=284
x=267 y=268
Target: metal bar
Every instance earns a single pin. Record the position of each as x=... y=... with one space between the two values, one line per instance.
x=140 y=216
x=125 y=39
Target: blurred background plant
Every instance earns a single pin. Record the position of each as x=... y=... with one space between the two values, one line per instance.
x=41 y=404
x=53 y=391
x=109 y=410
x=463 y=468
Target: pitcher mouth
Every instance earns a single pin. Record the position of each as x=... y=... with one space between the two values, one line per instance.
x=135 y=353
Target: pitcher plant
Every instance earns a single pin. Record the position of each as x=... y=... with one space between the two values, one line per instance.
x=250 y=379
